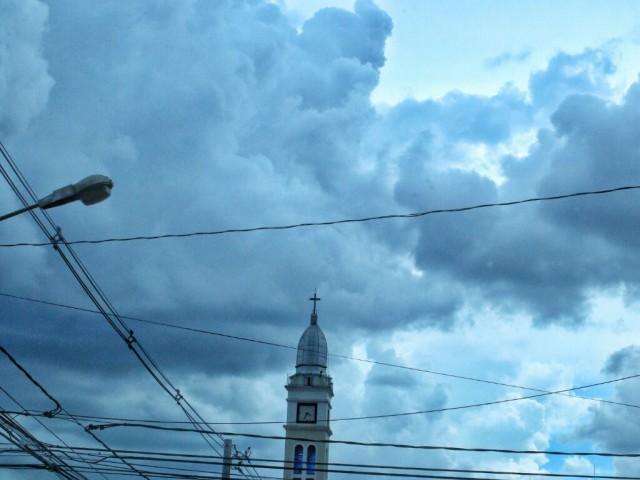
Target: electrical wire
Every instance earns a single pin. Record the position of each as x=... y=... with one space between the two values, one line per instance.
x=91 y=288
x=111 y=470
x=59 y=406
x=188 y=476
x=40 y=422
x=195 y=419
x=49 y=413
x=369 y=444
x=205 y=459
x=334 y=355
x=52 y=237
x=24 y=440
x=317 y=469
x=405 y=474
x=370 y=417
x=333 y=222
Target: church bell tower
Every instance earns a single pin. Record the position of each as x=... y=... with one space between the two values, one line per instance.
x=309 y=393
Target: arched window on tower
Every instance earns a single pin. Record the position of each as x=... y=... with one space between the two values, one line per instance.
x=311 y=460
x=297 y=460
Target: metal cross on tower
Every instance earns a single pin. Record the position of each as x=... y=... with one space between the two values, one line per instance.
x=315 y=299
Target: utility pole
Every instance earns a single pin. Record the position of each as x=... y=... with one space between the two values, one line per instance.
x=228 y=451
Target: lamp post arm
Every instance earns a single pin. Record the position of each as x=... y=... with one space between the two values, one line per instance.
x=90 y=190
x=18 y=212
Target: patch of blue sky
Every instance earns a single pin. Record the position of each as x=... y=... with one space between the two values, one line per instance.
x=439 y=46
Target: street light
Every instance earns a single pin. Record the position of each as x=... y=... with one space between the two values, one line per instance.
x=89 y=190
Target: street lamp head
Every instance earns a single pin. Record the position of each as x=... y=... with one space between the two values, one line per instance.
x=89 y=190
x=94 y=189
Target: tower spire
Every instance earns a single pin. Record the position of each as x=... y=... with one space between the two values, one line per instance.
x=314 y=315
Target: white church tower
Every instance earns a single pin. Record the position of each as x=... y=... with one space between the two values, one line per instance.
x=309 y=393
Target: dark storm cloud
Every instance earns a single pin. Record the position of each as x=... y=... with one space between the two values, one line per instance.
x=83 y=342
x=215 y=117
x=600 y=146
x=612 y=428
x=273 y=124
x=623 y=361
x=534 y=258
x=184 y=123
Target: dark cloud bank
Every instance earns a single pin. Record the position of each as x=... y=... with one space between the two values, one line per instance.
x=222 y=114
x=611 y=429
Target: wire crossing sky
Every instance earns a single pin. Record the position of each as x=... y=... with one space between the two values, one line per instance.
x=331 y=222
x=161 y=456
x=105 y=426
x=96 y=295
x=564 y=391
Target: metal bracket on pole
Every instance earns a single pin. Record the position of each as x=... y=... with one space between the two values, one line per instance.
x=57 y=238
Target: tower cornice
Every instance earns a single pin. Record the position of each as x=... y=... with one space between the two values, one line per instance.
x=306 y=428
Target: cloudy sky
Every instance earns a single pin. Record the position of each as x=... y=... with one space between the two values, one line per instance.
x=212 y=115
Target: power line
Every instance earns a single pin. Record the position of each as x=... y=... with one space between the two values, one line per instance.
x=371 y=473
x=106 y=461
x=205 y=459
x=57 y=239
x=59 y=408
x=408 y=471
x=91 y=288
x=332 y=470
x=371 y=417
x=23 y=200
x=370 y=444
x=332 y=222
x=181 y=458
x=341 y=356
x=53 y=237
x=40 y=422
x=50 y=413
x=24 y=440
x=190 y=476
x=112 y=470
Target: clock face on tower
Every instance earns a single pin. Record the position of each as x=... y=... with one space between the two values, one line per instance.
x=307 y=412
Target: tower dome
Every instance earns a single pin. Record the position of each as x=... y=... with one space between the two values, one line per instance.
x=312 y=347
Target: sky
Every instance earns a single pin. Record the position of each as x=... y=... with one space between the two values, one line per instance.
x=231 y=114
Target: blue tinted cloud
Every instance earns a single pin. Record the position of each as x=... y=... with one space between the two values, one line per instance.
x=587 y=72
x=507 y=57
